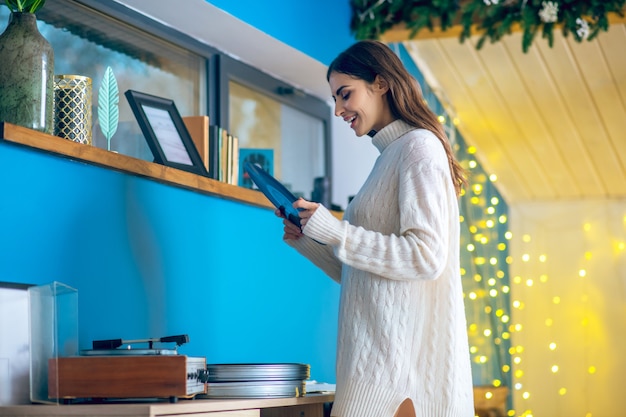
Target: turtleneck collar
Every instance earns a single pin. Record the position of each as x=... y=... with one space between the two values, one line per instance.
x=390 y=133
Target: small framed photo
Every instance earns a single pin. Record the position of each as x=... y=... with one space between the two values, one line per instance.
x=165 y=131
x=261 y=157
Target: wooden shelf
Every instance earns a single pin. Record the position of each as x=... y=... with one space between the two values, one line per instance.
x=101 y=157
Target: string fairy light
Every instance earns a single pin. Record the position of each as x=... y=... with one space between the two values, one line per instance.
x=485 y=260
x=532 y=266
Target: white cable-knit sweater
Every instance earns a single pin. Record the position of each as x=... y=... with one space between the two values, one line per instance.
x=402 y=328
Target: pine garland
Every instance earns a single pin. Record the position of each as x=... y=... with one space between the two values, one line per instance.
x=492 y=19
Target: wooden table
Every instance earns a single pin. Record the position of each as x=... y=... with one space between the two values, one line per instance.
x=310 y=405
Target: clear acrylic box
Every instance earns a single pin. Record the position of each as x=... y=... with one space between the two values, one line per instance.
x=53 y=333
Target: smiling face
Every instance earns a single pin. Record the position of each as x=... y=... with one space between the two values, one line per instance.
x=364 y=106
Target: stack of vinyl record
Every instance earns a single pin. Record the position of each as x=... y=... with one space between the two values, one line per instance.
x=256 y=380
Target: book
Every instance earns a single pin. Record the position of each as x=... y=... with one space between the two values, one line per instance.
x=198 y=127
x=223 y=155
x=214 y=152
x=223 y=150
x=234 y=179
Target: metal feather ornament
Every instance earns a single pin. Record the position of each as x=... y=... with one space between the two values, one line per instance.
x=108 y=100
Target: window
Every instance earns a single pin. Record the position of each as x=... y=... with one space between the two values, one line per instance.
x=267 y=113
x=86 y=42
x=146 y=56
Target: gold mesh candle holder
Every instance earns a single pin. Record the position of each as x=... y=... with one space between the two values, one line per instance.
x=72 y=108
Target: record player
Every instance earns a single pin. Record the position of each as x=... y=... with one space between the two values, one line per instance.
x=113 y=369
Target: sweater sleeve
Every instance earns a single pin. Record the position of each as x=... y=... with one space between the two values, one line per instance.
x=419 y=249
x=321 y=256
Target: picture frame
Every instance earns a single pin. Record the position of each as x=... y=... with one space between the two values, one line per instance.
x=262 y=157
x=165 y=131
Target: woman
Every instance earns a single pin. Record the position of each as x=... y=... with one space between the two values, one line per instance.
x=402 y=346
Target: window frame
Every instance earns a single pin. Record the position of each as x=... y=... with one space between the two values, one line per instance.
x=220 y=69
x=229 y=69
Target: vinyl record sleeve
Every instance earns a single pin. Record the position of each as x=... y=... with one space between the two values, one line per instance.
x=280 y=196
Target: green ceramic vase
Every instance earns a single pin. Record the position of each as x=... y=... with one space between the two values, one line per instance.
x=26 y=75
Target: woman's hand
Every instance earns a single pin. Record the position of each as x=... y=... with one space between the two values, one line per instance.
x=306 y=210
x=291 y=231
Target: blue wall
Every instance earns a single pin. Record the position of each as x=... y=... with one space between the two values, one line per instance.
x=320 y=29
x=151 y=260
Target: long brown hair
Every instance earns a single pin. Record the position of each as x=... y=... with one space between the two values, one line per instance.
x=368 y=58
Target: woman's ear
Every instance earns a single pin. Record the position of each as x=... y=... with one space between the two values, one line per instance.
x=381 y=84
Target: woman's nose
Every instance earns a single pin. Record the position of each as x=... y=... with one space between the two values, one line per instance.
x=338 y=109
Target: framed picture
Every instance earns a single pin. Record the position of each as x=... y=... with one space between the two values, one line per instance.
x=165 y=132
x=262 y=157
